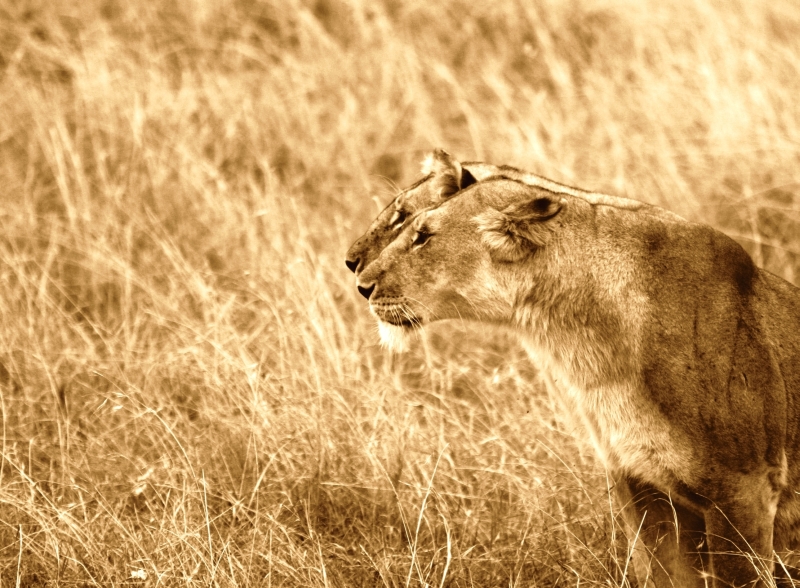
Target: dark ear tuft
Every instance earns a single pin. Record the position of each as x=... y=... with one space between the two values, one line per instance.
x=467 y=179
x=539 y=206
x=545 y=207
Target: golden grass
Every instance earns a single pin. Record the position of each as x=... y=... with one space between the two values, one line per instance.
x=191 y=389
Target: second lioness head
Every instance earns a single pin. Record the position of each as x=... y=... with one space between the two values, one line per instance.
x=444 y=177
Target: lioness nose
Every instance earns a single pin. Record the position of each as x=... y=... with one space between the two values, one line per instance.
x=366 y=292
x=352 y=264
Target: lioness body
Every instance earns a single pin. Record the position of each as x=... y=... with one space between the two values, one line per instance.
x=680 y=356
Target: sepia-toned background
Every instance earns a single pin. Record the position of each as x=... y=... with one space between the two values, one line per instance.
x=191 y=389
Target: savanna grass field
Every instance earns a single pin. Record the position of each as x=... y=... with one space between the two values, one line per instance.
x=192 y=391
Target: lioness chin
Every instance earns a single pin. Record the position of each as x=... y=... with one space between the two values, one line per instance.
x=680 y=355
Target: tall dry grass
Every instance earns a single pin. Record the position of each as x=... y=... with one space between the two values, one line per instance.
x=191 y=390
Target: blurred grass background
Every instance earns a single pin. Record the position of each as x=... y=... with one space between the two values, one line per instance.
x=191 y=389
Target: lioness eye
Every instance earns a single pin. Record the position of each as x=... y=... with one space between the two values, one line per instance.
x=420 y=238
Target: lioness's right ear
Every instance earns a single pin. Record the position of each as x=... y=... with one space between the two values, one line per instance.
x=517 y=231
x=448 y=175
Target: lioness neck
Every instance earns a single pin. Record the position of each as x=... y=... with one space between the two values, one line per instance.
x=585 y=319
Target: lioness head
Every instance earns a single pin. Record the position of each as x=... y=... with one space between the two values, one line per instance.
x=444 y=177
x=461 y=259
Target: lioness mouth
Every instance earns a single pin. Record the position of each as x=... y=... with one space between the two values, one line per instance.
x=403 y=321
x=396 y=316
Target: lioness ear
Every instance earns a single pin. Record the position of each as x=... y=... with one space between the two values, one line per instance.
x=515 y=232
x=448 y=175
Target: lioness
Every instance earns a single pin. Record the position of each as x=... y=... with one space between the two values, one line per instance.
x=681 y=356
